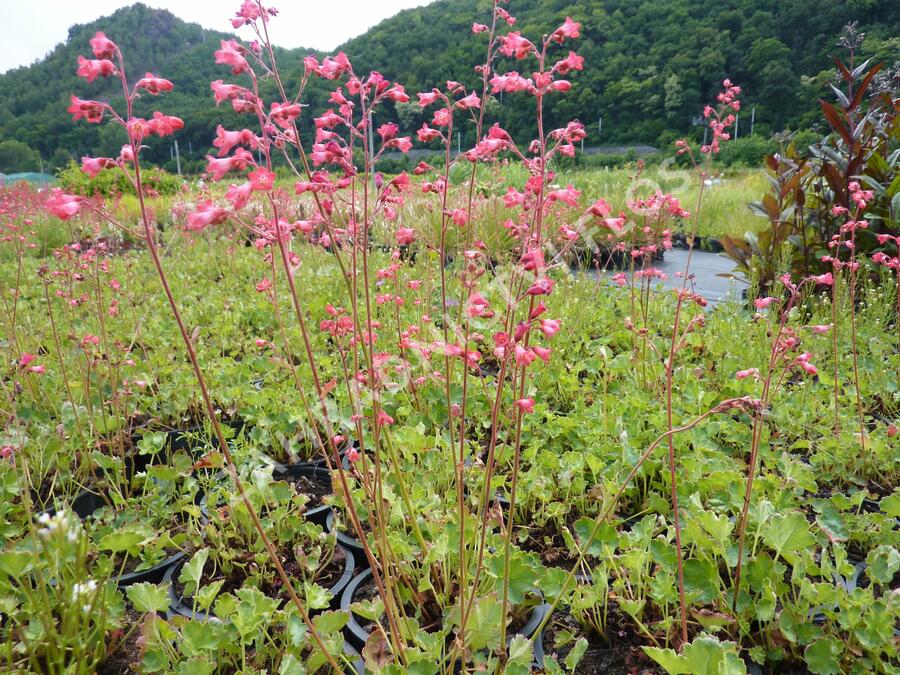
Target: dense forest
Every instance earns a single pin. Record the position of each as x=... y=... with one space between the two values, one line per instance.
x=649 y=67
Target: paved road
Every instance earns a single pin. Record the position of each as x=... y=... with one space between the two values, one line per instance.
x=705 y=267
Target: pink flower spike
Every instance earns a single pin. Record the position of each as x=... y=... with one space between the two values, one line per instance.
x=526 y=405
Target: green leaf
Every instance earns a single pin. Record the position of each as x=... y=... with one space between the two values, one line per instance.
x=822 y=656
x=192 y=571
x=481 y=627
x=574 y=656
x=882 y=564
x=520 y=651
x=328 y=623
x=788 y=533
x=148 y=597
x=15 y=563
x=832 y=522
x=706 y=655
x=605 y=535
x=701 y=578
x=891 y=504
x=127 y=540
x=200 y=637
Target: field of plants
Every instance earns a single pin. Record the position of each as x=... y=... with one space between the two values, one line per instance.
x=350 y=421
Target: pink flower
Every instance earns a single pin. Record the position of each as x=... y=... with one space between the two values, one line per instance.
x=763 y=303
x=153 y=85
x=470 y=101
x=479 y=28
x=543 y=353
x=403 y=143
x=600 y=208
x=526 y=405
x=94 y=165
x=219 y=167
x=570 y=29
x=572 y=62
x=102 y=46
x=231 y=54
x=38 y=370
x=264 y=285
x=550 y=327
x=228 y=92
x=94 y=68
x=226 y=140
x=542 y=286
x=261 y=179
x=91 y=111
x=460 y=217
x=26 y=359
x=823 y=279
x=206 y=214
x=820 y=329
x=808 y=367
x=239 y=195
x=352 y=454
x=514 y=44
x=164 y=125
x=510 y=83
x=383 y=419
x=426 y=99
x=62 y=205
x=620 y=279
x=284 y=113
x=261 y=343
x=405 y=236
x=750 y=372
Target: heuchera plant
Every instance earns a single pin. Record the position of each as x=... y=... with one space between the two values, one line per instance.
x=482 y=345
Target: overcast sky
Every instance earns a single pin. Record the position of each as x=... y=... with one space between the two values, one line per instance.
x=32 y=28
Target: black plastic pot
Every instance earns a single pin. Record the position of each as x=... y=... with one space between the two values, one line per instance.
x=356 y=635
x=152 y=575
x=177 y=606
x=319 y=474
x=317 y=515
x=343 y=539
x=83 y=504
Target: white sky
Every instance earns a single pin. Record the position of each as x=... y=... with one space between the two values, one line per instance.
x=30 y=29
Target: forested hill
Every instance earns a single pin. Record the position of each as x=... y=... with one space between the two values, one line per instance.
x=649 y=65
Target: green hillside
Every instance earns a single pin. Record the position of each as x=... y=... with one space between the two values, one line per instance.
x=650 y=65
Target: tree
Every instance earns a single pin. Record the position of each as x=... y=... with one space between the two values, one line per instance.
x=16 y=157
x=60 y=160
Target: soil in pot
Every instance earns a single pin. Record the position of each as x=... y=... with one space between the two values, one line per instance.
x=125 y=655
x=622 y=654
x=334 y=577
